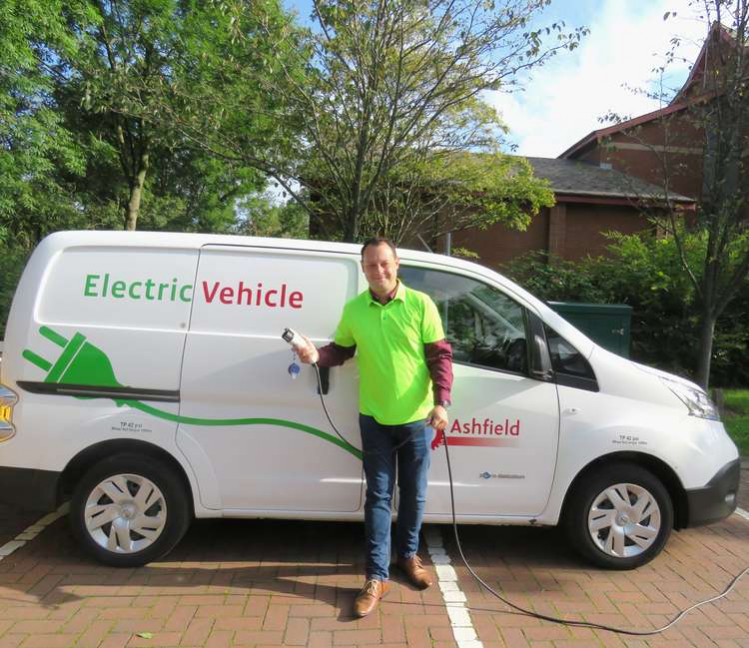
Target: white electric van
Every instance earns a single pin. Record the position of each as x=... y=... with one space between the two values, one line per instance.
x=145 y=379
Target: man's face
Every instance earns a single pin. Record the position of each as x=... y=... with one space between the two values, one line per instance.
x=380 y=267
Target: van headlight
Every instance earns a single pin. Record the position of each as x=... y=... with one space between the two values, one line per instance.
x=697 y=401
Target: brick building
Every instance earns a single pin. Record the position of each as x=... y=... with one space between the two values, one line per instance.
x=610 y=178
x=591 y=199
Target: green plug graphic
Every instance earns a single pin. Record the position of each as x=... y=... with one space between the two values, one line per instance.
x=80 y=363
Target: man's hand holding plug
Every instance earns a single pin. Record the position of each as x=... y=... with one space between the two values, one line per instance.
x=308 y=354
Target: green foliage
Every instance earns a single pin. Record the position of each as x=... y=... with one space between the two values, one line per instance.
x=465 y=253
x=451 y=192
x=92 y=117
x=738 y=429
x=33 y=139
x=224 y=90
x=189 y=191
x=736 y=418
x=129 y=57
x=737 y=400
x=554 y=279
x=13 y=258
x=392 y=105
x=644 y=272
x=263 y=217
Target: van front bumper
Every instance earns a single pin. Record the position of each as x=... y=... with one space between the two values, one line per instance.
x=28 y=489
x=717 y=499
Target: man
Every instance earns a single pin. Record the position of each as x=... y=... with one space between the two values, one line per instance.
x=405 y=368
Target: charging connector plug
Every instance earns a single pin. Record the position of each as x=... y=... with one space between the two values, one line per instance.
x=298 y=343
x=293 y=338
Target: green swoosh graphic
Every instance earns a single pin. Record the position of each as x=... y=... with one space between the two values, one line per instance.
x=190 y=420
x=82 y=363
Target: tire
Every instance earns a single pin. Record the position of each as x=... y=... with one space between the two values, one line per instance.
x=619 y=517
x=129 y=510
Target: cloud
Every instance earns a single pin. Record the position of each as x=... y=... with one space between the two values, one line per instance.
x=564 y=99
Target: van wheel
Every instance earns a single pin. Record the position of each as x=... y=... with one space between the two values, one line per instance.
x=129 y=510
x=619 y=517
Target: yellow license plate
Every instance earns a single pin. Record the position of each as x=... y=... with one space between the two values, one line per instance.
x=5 y=411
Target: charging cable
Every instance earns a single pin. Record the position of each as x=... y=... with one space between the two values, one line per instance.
x=297 y=341
x=335 y=429
x=559 y=620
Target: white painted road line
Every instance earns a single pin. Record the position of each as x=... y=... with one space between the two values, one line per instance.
x=31 y=532
x=455 y=599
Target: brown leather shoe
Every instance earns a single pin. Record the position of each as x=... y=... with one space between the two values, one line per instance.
x=369 y=596
x=416 y=572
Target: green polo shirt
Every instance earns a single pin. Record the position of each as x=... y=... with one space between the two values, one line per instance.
x=394 y=382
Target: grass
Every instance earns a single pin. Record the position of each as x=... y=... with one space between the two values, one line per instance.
x=736 y=418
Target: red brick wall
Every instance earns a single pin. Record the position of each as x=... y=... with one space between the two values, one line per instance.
x=498 y=244
x=669 y=149
x=586 y=224
x=583 y=234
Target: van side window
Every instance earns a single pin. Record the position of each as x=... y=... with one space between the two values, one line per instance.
x=484 y=326
x=566 y=360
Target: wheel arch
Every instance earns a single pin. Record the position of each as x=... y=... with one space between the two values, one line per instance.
x=88 y=457
x=658 y=467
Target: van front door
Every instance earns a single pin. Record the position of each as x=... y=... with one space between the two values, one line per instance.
x=255 y=435
x=504 y=425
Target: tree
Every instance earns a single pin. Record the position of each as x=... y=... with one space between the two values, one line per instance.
x=129 y=54
x=696 y=147
x=723 y=208
x=372 y=105
x=116 y=42
x=34 y=141
x=222 y=94
x=394 y=100
x=264 y=216
x=717 y=110
x=452 y=191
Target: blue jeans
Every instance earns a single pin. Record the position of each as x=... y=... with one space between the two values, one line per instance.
x=413 y=458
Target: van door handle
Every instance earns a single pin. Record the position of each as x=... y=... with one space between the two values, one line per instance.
x=324 y=380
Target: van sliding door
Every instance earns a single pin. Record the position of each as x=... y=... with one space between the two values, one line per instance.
x=257 y=437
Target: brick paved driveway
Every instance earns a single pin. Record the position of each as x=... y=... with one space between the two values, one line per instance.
x=271 y=583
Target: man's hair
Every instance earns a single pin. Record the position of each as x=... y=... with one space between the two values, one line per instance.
x=378 y=240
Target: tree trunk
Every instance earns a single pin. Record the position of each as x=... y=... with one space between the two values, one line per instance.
x=705 y=351
x=136 y=193
x=351 y=230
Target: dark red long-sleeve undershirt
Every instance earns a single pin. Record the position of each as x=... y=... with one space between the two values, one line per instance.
x=439 y=356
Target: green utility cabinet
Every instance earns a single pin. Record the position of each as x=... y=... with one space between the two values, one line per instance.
x=605 y=324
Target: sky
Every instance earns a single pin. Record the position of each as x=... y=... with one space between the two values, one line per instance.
x=564 y=100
